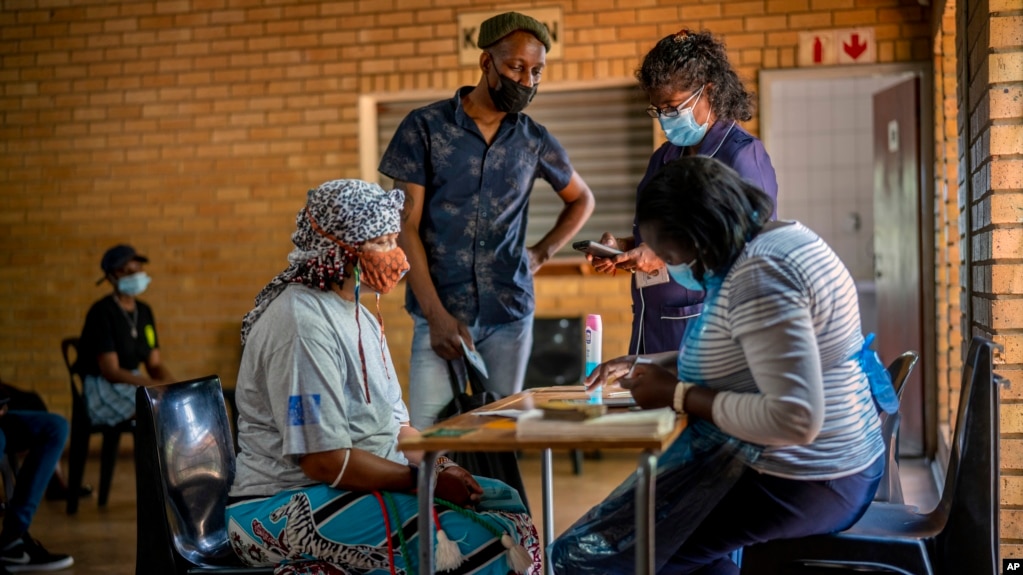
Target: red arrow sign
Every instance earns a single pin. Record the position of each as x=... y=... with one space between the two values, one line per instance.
x=856 y=49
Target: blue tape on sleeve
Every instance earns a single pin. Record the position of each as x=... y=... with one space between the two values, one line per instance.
x=304 y=409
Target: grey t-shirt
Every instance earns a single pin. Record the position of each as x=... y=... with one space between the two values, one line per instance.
x=301 y=390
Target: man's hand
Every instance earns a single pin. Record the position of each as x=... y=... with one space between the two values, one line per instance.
x=446 y=335
x=458 y=486
x=536 y=259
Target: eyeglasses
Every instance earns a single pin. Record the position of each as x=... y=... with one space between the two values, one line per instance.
x=672 y=112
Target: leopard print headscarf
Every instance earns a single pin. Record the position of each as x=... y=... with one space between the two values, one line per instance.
x=352 y=211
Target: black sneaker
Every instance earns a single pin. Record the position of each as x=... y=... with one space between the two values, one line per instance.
x=27 y=554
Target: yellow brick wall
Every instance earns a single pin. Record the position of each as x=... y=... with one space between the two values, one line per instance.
x=989 y=54
x=947 y=260
x=192 y=129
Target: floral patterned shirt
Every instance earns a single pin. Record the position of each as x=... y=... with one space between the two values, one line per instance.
x=473 y=224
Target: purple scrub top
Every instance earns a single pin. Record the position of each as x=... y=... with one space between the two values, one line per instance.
x=664 y=310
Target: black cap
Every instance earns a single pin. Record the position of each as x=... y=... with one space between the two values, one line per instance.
x=116 y=258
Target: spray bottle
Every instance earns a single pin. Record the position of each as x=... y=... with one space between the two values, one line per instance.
x=594 y=336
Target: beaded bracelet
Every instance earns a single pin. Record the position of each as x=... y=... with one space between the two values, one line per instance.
x=441 y=464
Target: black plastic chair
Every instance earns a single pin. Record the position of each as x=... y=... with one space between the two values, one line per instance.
x=7 y=473
x=184 y=466
x=82 y=429
x=959 y=536
x=890 y=487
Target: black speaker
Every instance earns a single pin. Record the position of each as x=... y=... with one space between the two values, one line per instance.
x=558 y=353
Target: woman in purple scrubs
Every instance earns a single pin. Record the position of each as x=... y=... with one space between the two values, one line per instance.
x=699 y=101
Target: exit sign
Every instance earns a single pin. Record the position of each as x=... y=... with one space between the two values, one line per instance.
x=842 y=46
x=469 y=31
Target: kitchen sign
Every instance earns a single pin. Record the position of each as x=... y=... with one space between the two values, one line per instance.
x=469 y=31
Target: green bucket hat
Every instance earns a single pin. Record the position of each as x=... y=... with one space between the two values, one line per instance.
x=496 y=27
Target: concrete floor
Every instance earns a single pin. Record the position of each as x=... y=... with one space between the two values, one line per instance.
x=102 y=541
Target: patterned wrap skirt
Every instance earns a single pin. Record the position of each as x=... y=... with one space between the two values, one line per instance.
x=376 y=533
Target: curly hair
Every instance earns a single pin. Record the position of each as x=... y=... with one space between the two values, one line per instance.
x=720 y=212
x=686 y=60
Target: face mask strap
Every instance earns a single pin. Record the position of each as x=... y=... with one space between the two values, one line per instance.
x=709 y=107
x=383 y=338
x=698 y=94
x=352 y=253
x=358 y=329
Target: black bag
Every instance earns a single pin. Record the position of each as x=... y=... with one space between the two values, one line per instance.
x=502 y=465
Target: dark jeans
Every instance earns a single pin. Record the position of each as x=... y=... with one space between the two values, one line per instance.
x=763 y=507
x=43 y=435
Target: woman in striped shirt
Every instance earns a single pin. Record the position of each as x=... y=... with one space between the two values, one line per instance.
x=771 y=366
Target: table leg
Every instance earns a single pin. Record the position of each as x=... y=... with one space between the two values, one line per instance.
x=646 y=476
x=547 y=489
x=424 y=521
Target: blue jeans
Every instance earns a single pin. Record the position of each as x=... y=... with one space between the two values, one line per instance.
x=505 y=349
x=763 y=507
x=43 y=435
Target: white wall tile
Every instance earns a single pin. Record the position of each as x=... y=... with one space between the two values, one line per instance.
x=822 y=147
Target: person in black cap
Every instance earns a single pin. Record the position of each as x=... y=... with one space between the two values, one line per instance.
x=118 y=335
x=467 y=166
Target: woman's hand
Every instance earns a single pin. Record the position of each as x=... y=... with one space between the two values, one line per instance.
x=458 y=486
x=640 y=258
x=606 y=265
x=609 y=371
x=651 y=385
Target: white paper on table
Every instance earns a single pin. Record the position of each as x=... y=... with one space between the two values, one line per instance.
x=512 y=413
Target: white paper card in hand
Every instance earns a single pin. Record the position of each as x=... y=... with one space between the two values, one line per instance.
x=475 y=359
x=657 y=277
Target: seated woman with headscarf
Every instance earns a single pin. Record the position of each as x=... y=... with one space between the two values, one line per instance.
x=320 y=483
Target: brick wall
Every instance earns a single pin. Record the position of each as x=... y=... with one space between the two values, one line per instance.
x=1004 y=278
x=947 y=259
x=192 y=129
x=989 y=50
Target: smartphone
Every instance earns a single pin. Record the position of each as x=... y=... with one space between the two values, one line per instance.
x=595 y=249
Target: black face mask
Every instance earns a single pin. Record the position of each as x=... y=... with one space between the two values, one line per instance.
x=511 y=97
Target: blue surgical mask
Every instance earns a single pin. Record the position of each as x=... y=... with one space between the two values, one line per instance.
x=134 y=284
x=682 y=130
x=682 y=274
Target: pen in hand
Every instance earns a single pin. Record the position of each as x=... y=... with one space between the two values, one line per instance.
x=639 y=359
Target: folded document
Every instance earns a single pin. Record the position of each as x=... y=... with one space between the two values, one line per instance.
x=644 y=423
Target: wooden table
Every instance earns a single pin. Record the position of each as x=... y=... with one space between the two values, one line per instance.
x=493 y=433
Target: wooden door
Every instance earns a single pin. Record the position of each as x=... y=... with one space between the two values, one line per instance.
x=898 y=247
